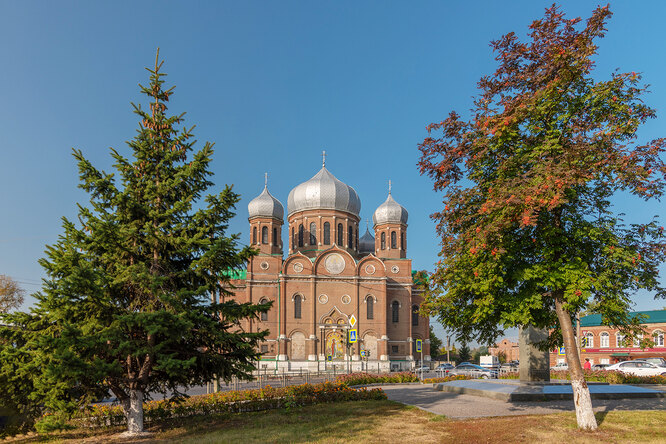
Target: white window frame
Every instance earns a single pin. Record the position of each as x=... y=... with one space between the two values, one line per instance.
x=604 y=340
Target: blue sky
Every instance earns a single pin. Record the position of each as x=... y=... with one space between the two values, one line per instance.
x=272 y=84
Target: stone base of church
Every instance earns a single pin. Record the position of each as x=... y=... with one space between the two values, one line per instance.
x=371 y=366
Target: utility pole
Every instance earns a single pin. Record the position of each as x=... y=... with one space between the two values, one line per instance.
x=448 y=347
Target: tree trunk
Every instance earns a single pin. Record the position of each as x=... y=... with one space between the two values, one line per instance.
x=581 y=392
x=134 y=412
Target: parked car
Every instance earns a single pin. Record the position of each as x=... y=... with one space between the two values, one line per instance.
x=600 y=366
x=638 y=367
x=473 y=370
x=422 y=369
x=661 y=362
x=443 y=369
x=509 y=367
x=560 y=366
x=445 y=366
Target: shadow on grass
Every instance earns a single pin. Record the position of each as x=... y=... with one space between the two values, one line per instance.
x=601 y=416
x=338 y=421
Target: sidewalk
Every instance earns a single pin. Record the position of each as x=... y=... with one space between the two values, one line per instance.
x=458 y=406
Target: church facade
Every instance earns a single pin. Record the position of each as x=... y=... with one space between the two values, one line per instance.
x=332 y=281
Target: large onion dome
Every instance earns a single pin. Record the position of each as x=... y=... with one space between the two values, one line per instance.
x=390 y=212
x=265 y=205
x=323 y=192
x=366 y=244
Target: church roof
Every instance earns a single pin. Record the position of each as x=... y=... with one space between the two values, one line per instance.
x=390 y=212
x=323 y=191
x=265 y=205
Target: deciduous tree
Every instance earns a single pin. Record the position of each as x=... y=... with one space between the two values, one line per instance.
x=528 y=233
x=11 y=295
x=127 y=304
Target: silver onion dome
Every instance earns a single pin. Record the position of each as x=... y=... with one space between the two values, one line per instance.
x=323 y=191
x=265 y=205
x=390 y=212
x=366 y=244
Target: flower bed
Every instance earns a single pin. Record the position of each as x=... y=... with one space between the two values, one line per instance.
x=369 y=378
x=446 y=379
x=611 y=377
x=232 y=402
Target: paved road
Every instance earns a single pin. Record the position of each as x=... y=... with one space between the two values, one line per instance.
x=467 y=406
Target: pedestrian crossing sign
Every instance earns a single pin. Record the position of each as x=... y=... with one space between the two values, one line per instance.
x=353 y=336
x=419 y=345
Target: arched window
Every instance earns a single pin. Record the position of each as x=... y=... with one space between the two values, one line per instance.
x=383 y=242
x=658 y=338
x=327 y=233
x=293 y=238
x=297 y=306
x=588 y=340
x=254 y=235
x=394 y=240
x=275 y=238
x=637 y=340
x=341 y=235
x=415 y=315
x=395 y=306
x=604 y=340
x=313 y=233
x=402 y=241
x=264 y=315
x=370 y=307
x=350 y=237
x=264 y=235
x=619 y=339
x=300 y=235
x=356 y=241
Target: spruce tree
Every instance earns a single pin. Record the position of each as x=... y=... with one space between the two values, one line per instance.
x=130 y=302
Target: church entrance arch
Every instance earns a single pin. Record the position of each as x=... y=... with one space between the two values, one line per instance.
x=370 y=344
x=335 y=344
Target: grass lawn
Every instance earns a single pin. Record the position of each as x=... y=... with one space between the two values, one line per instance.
x=390 y=422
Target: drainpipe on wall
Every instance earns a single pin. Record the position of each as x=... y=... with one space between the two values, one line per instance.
x=279 y=317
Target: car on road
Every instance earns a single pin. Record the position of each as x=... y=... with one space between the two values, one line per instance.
x=600 y=366
x=473 y=370
x=422 y=369
x=509 y=367
x=638 y=367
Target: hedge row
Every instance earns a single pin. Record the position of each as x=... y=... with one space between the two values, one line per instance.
x=232 y=402
x=611 y=377
x=353 y=379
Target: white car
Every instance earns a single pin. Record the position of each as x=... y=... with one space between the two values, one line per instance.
x=560 y=366
x=638 y=368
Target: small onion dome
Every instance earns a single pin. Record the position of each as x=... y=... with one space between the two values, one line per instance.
x=390 y=212
x=265 y=205
x=366 y=244
x=323 y=192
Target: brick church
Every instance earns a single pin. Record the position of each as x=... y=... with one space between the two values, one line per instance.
x=332 y=280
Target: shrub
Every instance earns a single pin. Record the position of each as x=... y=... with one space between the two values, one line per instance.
x=446 y=379
x=230 y=402
x=611 y=377
x=369 y=378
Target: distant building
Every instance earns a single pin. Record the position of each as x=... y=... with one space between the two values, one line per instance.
x=510 y=350
x=602 y=344
x=332 y=281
